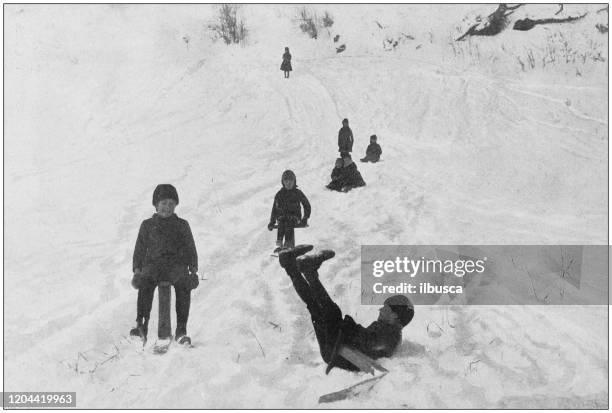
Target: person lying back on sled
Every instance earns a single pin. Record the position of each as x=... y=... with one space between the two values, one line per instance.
x=379 y=339
x=287 y=211
x=373 y=151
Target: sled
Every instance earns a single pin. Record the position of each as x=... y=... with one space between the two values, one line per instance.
x=359 y=360
x=296 y=226
x=352 y=391
x=164 y=325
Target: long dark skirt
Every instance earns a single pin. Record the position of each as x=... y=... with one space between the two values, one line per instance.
x=286 y=66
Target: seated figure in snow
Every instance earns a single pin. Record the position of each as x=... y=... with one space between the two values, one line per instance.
x=379 y=339
x=373 y=151
x=351 y=178
x=336 y=176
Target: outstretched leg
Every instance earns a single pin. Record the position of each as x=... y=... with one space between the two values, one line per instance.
x=302 y=288
x=287 y=261
x=327 y=321
x=309 y=265
x=320 y=294
x=325 y=314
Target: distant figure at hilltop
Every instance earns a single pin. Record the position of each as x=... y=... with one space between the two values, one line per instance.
x=286 y=65
x=345 y=139
x=373 y=152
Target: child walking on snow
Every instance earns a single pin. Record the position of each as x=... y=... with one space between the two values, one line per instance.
x=288 y=212
x=165 y=251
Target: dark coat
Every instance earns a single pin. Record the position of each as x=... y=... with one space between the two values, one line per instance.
x=374 y=151
x=377 y=340
x=345 y=139
x=336 y=173
x=345 y=178
x=287 y=205
x=351 y=177
x=165 y=241
x=336 y=179
x=286 y=65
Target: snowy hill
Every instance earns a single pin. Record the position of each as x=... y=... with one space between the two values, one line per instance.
x=103 y=102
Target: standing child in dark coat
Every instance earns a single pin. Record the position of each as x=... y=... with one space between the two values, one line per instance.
x=345 y=138
x=286 y=65
x=373 y=152
x=287 y=211
x=165 y=251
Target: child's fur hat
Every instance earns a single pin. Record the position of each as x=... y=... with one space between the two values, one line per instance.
x=401 y=305
x=164 y=191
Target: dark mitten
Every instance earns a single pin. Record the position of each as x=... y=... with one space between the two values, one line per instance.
x=137 y=280
x=270 y=226
x=193 y=281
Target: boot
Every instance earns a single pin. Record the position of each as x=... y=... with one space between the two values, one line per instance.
x=311 y=263
x=141 y=329
x=181 y=330
x=279 y=246
x=287 y=256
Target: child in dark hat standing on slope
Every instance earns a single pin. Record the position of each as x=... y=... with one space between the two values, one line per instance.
x=165 y=251
x=288 y=212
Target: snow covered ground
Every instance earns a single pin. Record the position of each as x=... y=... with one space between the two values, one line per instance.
x=103 y=102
